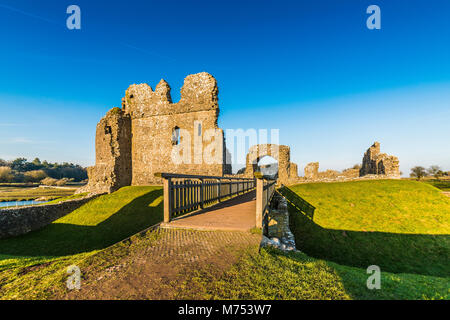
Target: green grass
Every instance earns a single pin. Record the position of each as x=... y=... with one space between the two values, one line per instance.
x=47 y=279
x=270 y=274
x=21 y=194
x=274 y=275
x=94 y=226
x=71 y=197
x=443 y=185
x=402 y=226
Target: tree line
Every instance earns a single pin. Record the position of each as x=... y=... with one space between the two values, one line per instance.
x=433 y=171
x=21 y=170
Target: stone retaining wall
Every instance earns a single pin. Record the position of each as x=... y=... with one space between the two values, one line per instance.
x=18 y=221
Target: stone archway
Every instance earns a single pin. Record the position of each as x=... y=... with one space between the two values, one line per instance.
x=281 y=153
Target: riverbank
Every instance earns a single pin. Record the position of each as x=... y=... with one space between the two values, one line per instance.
x=12 y=204
x=21 y=193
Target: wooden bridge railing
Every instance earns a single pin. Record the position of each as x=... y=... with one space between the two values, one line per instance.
x=265 y=190
x=186 y=193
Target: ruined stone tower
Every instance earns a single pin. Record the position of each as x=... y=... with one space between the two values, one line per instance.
x=150 y=134
x=378 y=163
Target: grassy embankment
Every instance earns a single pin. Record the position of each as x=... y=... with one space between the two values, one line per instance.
x=402 y=226
x=82 y=233
x=443 y=185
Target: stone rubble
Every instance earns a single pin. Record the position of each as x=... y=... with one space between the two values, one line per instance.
x=280 y=235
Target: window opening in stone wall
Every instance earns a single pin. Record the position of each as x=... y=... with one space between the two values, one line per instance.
x=176 y=136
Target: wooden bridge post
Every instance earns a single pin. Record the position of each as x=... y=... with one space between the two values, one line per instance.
x=219 y=187
x=259 y=202
x=201 y=193
x=167 y=198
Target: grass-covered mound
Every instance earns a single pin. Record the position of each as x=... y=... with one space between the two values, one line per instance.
x=401 y=226
x=443 y=185
x=273 y=274
x=96 y=225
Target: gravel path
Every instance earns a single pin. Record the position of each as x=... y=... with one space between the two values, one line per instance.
x=160 y=264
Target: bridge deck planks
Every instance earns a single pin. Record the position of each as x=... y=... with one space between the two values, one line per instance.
x=237 y=214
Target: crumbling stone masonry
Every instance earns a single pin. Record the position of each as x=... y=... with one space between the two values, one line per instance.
x=378 y=163
x=375 y=165
x=312 y=171
x=138 y=140
x=113 y=154
x=286 y=169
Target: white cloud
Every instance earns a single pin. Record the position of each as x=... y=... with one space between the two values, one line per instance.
x=22 y=140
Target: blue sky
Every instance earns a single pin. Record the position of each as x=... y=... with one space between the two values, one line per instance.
x=309 y=68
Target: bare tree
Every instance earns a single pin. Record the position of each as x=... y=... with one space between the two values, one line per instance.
x=418 y=172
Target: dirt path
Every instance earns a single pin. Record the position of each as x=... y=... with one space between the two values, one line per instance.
x=161 y=264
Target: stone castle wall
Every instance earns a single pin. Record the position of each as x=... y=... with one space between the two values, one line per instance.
x=149 y=132
x=113 y=154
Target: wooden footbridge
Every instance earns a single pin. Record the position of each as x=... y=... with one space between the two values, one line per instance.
x=191 y=203
x=216 y=203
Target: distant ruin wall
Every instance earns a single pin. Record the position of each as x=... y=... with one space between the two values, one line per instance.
x=375 y=162
x=375 y=165
x=312 y=171
x=18 y=221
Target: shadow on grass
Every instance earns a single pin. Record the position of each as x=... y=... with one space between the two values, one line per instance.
x=392 y=252
x=59 y=239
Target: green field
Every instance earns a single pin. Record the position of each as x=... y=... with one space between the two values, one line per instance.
x=96 y=225
x=20 y=193
x=444 y=185
x=401 y=226
x=274 y=275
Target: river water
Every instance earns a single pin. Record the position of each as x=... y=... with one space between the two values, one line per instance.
x=9 y=204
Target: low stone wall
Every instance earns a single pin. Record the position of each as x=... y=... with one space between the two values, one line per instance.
x=342 y=178
x=17 y=221
x=279 y=234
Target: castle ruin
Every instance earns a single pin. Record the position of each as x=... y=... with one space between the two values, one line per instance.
x=287 y=170
x=374 y=165
x=375 y=162
x=136 y=141
x=151 y=134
